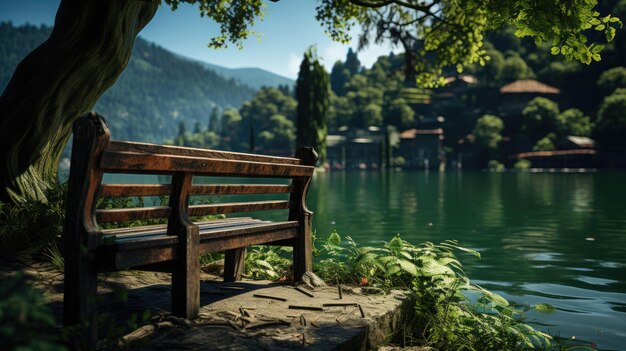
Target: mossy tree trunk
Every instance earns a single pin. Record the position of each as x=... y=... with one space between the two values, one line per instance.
x=89 y=47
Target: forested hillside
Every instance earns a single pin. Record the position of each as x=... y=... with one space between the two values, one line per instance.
x=155 y=93
x=252 y=76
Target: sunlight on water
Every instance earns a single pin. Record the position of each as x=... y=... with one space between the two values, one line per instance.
x=545 y=238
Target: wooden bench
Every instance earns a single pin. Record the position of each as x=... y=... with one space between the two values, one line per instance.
x=177 y=245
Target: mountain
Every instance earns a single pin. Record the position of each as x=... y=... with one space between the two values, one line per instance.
x=254 y=77
x=157 y=90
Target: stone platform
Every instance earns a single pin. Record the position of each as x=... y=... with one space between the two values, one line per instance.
x=231 y=317
x=236 y=316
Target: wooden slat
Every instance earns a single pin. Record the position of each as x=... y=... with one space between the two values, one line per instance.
x=115 y=190
x=124 y=190
x=195 y=152
x=133 y=233
x=234 y=207
x=125 y=259
x=119 y=161
x=131 y=214
x=233 y=189
x=237 y=231
x=140 y=252
x=163 y=227
x=232 y=242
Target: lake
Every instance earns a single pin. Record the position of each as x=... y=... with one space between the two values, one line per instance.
x=557 y=238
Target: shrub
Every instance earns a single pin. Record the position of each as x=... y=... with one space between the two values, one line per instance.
x=451 y=312
x=546 y=143
x=25 y=322
x=522 y=165
x=495 y=166
x=32 y=225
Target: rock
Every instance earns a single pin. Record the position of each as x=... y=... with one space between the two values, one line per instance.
x=215 y=267
x=138 y=334
x=313 y=281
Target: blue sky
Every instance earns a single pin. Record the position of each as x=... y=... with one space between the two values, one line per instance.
x=288 y=29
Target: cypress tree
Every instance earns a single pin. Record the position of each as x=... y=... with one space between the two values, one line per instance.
x=213 y=120
x=180 y=138
x=303 y=95
x=251 y=137
x=313 y=94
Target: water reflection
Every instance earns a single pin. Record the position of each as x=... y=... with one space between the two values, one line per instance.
x=545 y=238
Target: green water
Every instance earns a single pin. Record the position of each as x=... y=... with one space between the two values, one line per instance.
x=544 y=238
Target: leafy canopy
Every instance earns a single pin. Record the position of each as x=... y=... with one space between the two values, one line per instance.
x=442 y=32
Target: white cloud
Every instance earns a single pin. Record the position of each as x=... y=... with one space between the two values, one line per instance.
x=331 y=53
x=293 y=66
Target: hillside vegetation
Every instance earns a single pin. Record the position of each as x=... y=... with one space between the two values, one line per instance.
x=155 y=93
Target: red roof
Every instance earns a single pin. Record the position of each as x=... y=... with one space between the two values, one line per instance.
x=528 y=86
x=412 y=133
x=556 y=153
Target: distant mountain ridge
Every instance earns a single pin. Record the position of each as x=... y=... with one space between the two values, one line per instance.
x=157 y=90
x=253 y=77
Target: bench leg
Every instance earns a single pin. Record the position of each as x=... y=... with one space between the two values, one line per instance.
x=234 y=264
x=303 y=249
x=79 y=296
x=186 y=276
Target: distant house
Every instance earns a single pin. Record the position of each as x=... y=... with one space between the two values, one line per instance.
x=580 y=158
x=515 y=96
x=572 y=142
x=421 y=148
x=353 y=148
x=454 y=85
x=574 y=152
x=460 y=81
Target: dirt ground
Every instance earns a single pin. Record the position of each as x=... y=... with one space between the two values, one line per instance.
x=246 y=315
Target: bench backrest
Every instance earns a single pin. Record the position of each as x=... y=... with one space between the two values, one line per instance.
x=93 y=155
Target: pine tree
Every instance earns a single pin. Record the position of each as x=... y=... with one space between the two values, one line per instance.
x=182 y=130
x=339 y=76
x=197 y=129
x=352 y=62
x=214 y=119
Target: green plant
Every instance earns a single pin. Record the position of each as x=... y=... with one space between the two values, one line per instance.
x=55 y=256
x=451 y=312
x=268 y=262
x=30 y=226
x=495 y=166
x=25 y=322
x=522 y=165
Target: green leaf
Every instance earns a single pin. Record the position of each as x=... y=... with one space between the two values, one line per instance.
x=395 y=244
x=544 y=307
x=408 y=266
x=610 y=34
x=334 y=239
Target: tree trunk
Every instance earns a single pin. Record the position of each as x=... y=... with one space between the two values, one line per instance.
x=89 y=47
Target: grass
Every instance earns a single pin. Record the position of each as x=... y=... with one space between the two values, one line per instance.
x=30 y=227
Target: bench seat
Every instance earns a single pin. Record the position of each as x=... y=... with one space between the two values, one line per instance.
x=175 y=247
x=135 y=246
